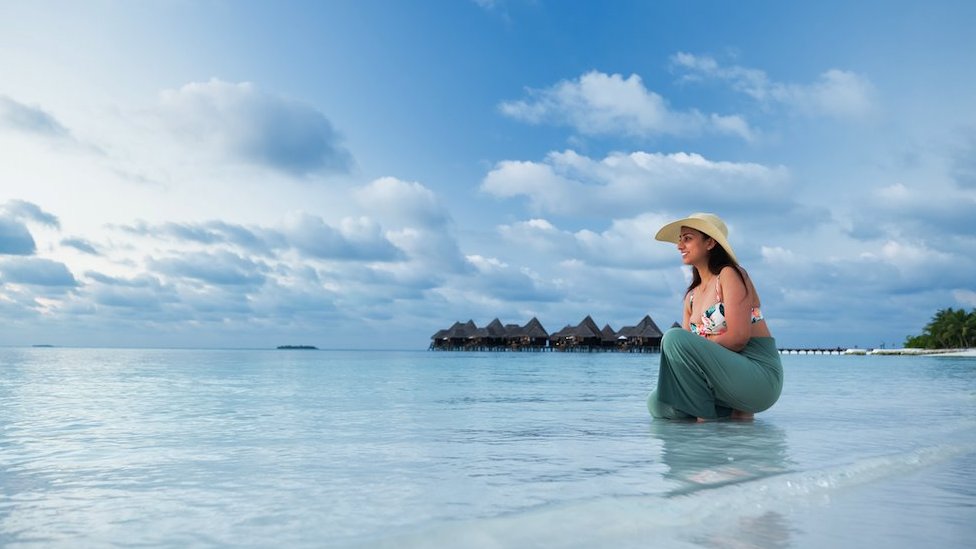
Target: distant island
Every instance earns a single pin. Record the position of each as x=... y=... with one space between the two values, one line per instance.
x=298 y=347
x=41 y=345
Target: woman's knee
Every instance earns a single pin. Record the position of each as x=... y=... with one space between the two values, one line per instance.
x=661 y=410
x=675 y=337
x=654 y=405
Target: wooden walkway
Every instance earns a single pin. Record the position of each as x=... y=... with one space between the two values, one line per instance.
x=549 y=349
x=490 y=348
x=601 y=349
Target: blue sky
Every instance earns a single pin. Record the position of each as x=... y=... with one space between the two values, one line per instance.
x=361 y=174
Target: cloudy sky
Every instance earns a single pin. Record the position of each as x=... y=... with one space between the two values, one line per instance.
x=361 y=174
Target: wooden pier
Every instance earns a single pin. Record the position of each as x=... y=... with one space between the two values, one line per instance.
x=814 y=351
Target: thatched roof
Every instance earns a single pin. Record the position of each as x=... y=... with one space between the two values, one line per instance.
x=566 y=331
x=513 y=331
x=534 y=329
x=496 y=328
x=461 y=331
x=587 y=329
x=647 y=328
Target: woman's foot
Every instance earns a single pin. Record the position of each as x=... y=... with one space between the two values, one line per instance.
x=740 y=415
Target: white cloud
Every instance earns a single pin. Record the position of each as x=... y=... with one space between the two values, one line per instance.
x=498 y=280
x=836 y=92
x=488 y=4
x=418 y=224
x=434 y=252
x=354 y=238
x=36 y=271
x=936 y=212
x=30 y=119
x=538 y=181
x=626 y=244
x=80 y=244
x=402 y=203
x=777 y=255
x=897 y=193
x=144 y=294
x=608 y=104
x=486 y=264
x=27 y=211
x=621 y=184
x=963 y=160
x=294 y=303
x=966 y=297
x=539 y=236
x=15 y=238
x=217 y=268
x=912 y=254
x=358 y=238
x=246 y=124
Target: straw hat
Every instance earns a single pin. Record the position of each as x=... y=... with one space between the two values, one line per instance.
x=708 y=223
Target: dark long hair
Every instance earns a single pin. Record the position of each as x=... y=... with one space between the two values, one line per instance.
x=718 y=259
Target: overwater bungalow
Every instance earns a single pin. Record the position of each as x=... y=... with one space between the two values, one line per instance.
x=533 y=335
x=608 y=338
x=457 y=337
x=584 y=337
x=645 y=336
x=493 y=337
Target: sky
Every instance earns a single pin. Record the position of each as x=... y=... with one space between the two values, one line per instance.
x=361 y=174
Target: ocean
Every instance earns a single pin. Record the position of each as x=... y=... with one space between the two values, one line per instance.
x=268 y=448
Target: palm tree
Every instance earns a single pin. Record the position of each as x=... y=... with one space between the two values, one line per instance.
x=969 y=330
x=949 y=328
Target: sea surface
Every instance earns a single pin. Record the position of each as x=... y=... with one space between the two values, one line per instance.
x=255 y=448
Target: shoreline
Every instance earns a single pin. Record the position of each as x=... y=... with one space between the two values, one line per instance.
x=914 y=352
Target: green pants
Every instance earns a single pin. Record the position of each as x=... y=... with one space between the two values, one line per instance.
x=700 y=378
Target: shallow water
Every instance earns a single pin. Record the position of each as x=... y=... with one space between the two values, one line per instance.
x=298 y=448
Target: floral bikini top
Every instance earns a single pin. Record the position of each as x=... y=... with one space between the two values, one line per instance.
x=713 y=319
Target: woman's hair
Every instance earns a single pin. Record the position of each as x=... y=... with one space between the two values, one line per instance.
x=718 y=259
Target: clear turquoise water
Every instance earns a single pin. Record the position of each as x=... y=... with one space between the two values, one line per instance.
x=244 y=448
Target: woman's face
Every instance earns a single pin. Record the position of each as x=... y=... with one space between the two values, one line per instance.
x=694 y=246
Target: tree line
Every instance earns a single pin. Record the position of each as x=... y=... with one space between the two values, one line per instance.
x=949 y=329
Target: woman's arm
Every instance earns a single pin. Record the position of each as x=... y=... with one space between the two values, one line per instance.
x=737 y=311
x=686 y=316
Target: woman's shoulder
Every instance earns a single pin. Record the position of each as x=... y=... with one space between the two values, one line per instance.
x=733 y=271
x=733 y=276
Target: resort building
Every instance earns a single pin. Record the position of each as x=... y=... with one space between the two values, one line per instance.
x=493 y=337
x=584 y=337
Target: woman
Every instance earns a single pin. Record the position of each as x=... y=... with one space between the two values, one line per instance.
x=723 y=362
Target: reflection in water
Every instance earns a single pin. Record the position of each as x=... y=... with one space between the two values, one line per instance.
x=704 y=456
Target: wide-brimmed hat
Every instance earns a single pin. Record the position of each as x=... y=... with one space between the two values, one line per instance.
x=710 y=224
